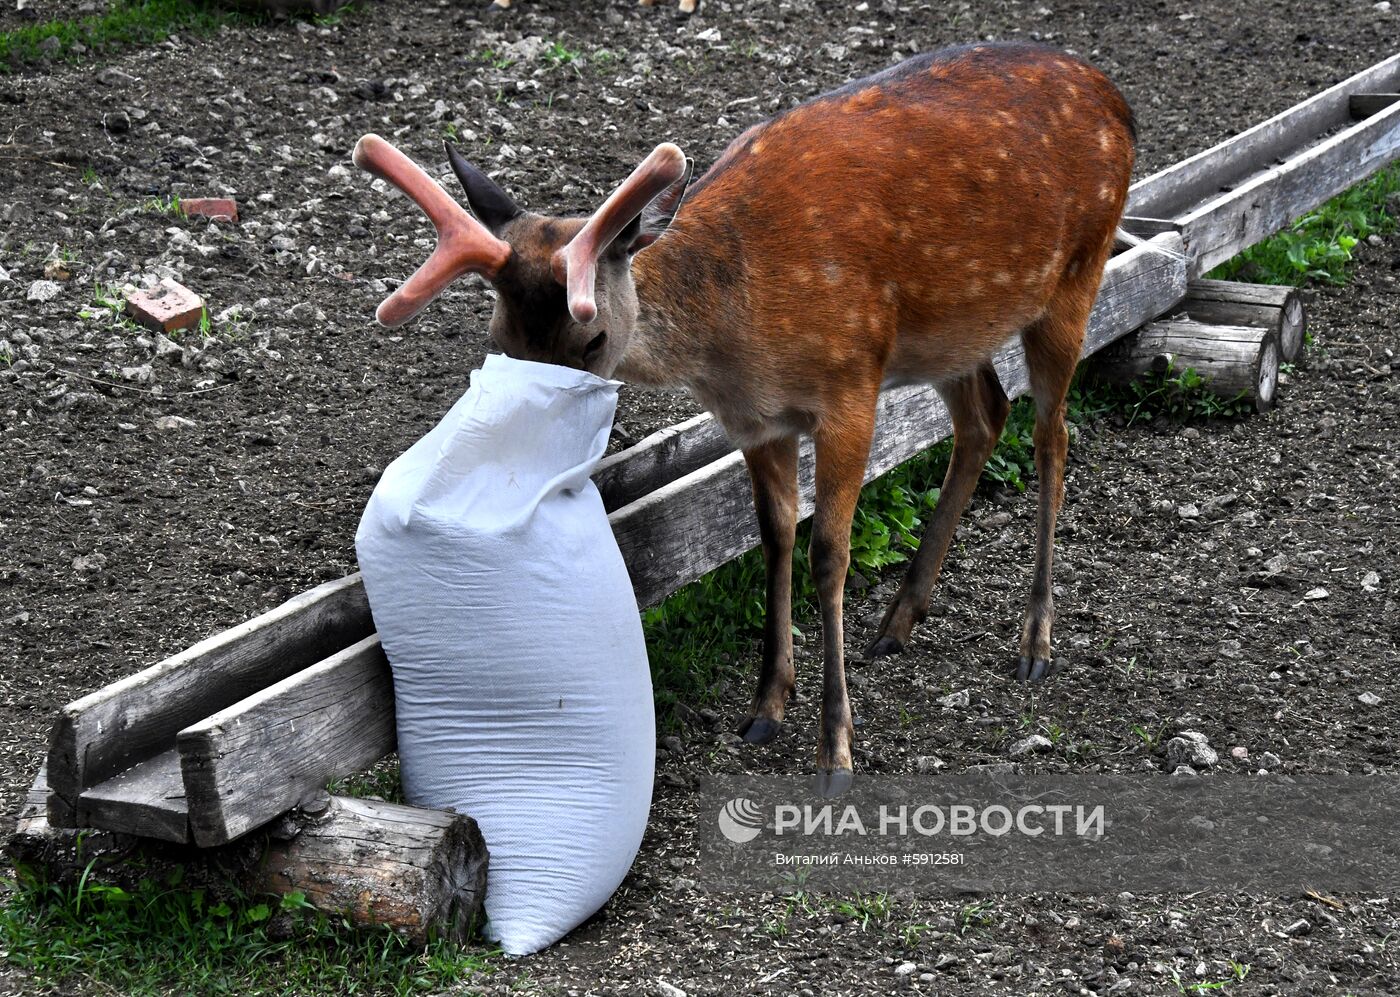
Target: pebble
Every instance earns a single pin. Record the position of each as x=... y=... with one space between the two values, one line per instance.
x=905 y=969
x=1034 y=744
x=1191 y=747
x=1240 y=754
x=87 y=564
x=138 y=375
x=1269 y=760
x=42 y=290
x=1184 y=772
x=170 y=423
x=1302 y=926
x=1313 y=595
x=1369 y=699
x=957 y=699
x=1370 y=581
x=665 y=989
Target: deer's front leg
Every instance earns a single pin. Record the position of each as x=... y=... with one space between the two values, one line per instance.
x=842 y=450
x=773 y=470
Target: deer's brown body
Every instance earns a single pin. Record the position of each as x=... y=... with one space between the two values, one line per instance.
x=900 y=229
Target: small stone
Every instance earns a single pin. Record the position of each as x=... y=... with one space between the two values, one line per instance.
x=905 y=969
x=1269 y=760
x=89 y=564
x=1313 y=595
x=1190 y=747
x=223 y=209
x=1370 y=581
x=1302 y=926
x=42 y=290
x=167 y=349
x=116 y=122
x=1032 y=745
x=138 y=375
x=1369 y=699
x=1189 y=511
x=957 y=699
x=1374 y=239
x=1382 y=6
x=929 y=763
x=664 y=989
x=1240 y=754
x=1184 y=772
x=170 y=423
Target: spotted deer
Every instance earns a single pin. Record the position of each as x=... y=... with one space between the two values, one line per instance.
x=899 y=229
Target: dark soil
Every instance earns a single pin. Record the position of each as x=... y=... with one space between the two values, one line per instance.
x=1185 y=554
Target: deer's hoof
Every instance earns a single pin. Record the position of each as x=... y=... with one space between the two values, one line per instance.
x=833 y=782
x=759 y=730
x=883 y=647
x=1032 y=669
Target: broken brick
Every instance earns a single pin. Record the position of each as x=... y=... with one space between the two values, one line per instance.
x=169 y=306
x=223 y=209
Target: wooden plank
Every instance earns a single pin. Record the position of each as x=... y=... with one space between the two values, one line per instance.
x=107 y=732
x=1171 y=191
x=1146 y=228
x=1363 y=105
x=663 y=456
x=255 y=760
x=696 y=523
x=147 y=799
x=1219 y=228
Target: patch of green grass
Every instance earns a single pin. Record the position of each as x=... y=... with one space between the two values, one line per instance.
x=494 y=59
x=382 y=781
x=168 y=205
x=163 y=937
x=558 y=54
x=125 y=23
x=1319 y=245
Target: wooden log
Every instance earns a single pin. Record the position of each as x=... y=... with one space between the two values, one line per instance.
x=1233 y=361
x=1179 y=188
x=419 y=871
x=253 y=761
x=1220 y=227
x=696 y=523
x=1226 y=302
x=1363 y=105
x=415 y=870
x=104 y=734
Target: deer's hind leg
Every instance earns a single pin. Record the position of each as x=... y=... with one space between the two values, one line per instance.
x=773 y=471
x=1053 y=343
x=978 y=407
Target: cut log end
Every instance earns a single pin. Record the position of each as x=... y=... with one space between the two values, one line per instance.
x=1292 y=329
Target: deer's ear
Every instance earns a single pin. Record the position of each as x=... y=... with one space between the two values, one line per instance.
x=656 y=217
x=493 y=206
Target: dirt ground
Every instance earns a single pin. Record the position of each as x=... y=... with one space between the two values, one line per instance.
x=151 y=495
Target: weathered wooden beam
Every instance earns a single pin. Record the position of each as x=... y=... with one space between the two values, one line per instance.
x=251 y=762
x=1146 y=228
x=663 y=456
x=147 y=799
x=1272 y=306
x=1173 y=191
x=1232 y=361
x=1220 y=227
x=107 y=732
x=1363 y=105
x=698 y=522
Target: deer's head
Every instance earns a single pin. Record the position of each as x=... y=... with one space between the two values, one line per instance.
x=564 y=291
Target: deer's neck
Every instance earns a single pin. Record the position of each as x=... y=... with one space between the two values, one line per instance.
x=690 y=295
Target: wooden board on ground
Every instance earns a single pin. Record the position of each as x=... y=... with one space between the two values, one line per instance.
x=252 y=761
x=103 y=734
x=1172 y=191
x=147 y=799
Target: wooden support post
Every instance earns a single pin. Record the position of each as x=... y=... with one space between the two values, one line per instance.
x=415 y=870
x=1232 y=360
x=1226 y=302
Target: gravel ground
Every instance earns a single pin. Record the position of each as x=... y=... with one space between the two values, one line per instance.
x=153 y=493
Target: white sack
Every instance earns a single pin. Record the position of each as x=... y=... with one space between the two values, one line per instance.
x=520 y=673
